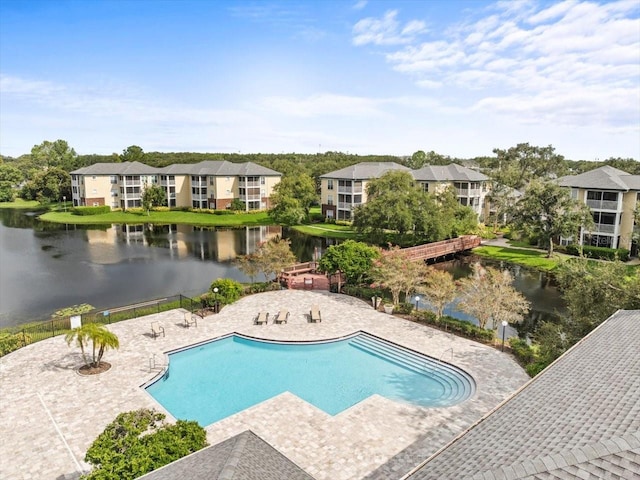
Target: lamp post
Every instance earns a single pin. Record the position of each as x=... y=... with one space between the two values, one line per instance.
x=64 y=202
x=417 y=299
x=504 y=328
x=215 y=299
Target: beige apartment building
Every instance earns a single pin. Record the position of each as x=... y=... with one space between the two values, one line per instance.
x=208 y=184
x=612 y=195
x=343 y=190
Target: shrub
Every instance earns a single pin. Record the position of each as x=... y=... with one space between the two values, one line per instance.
x=12 y=341
x=601 y=253
x=454 y=325
x=139 y=442
x=404 y=308
x=260 y=287
x=84 y=211
x=228 y=290
x=136 y=210
x=161 y=209
x=223 y=212
x=522 y=351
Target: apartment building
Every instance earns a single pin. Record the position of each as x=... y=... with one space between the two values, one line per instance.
x=612 y=195
x=343 y=190
x=471 y=187
x=208 y=184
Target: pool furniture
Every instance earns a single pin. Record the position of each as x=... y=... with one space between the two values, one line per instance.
x=156 y=329
x=282 y=317
x=190 y=319
x=263 y=317
x=315 y=314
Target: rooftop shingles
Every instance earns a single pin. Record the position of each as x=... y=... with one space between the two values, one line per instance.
x=602 y=178
x=584 y=407
x=208 y=167
x=448 y=173
x=365 y=170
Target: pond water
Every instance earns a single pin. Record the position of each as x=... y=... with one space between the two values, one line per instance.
x=46 y=266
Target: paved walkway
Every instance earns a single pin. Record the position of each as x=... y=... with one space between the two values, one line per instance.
x=49 y=414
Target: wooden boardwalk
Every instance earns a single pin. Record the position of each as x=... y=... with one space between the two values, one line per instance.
x=304 y=276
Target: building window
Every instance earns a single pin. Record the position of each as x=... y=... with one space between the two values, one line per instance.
x=114 y=179
x=211 y=180
x=330 y=184
x=330 y=200
x=262 y=181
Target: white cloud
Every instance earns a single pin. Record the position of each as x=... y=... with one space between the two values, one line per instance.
x=386 y=31
x=325 y=104
x=360 y=4
x=574 y=62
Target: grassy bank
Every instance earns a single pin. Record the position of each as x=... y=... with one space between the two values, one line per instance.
x=22 y=204
x=521 y=256
x=187 y=218
x=330 y=230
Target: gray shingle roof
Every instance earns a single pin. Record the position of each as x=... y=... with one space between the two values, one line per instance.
x=243 y=457
x=209 y=167
x=365 y=170
x=443 y=173
x=602 y=178
x=218 y=168
x=124 y=168
x=580 y=418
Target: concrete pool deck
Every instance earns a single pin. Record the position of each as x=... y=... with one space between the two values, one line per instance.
x=49 y=414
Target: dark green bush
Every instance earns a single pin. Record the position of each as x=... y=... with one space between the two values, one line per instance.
x=260 y=287
x=405 y=308
x=10 y=342
x=521 y=350
x=224 y=212
x=364 y=292
x=84 y=211
x=454 y=325
x=601 y=253
x=535 y=368
x=228 y=290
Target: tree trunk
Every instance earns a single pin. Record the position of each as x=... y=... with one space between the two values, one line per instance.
x=550 y=248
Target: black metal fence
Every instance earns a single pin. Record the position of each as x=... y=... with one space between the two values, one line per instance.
x=21 y=336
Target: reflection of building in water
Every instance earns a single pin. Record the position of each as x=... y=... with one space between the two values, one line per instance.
x=225 y=245
x=182 y=241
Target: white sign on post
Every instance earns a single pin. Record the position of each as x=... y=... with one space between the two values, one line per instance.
x=76 y=321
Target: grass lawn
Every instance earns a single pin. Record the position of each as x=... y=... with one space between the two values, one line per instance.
x=20 y=203
x=188 y=218
x=529 y=258
x=329 y=230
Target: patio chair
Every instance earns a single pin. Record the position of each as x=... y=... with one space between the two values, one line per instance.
x=156 y=329
x=263 y=317
x=315 y=314
x=190 y=319
x=282 y=317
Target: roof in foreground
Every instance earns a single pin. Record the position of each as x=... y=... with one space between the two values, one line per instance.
x=451 y=172
x=365 y=170
x=602 y=178
x=578 y=419
x=243 y=457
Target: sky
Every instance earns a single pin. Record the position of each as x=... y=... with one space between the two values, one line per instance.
x=458 y=77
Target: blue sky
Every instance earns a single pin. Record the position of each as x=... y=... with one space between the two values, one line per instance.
x=368 y=77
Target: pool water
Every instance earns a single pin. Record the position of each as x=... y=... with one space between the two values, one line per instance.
x=214 y=380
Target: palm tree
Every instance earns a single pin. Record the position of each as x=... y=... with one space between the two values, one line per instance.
x=101 y=339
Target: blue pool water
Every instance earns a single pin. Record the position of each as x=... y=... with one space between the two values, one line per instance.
x=214 y=380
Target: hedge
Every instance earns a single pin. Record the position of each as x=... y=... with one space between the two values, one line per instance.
x=454 y=325
x=601 y=253
x=84 y=211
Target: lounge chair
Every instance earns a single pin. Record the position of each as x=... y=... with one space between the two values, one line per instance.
x=156 y=329
x=263 y=317
x=190 y=319
x=282 y=317
x=315 y=314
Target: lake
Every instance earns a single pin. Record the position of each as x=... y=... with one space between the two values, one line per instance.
x=46 y=266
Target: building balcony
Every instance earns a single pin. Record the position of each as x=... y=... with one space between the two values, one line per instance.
x=603 y=204
x=349 y=189
x=603 y=228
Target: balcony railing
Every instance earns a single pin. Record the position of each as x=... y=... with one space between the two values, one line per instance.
x=248 y=198
x=604 y=228
x=345 y=205
x=343 y=189
x=468 y=192
x=603 y=204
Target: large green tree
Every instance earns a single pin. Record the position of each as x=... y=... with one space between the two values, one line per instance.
x=132 y=153
x=440 y=289
x=519 y=165
x=272 y=256
x=547 y=211
x=292 y=195
x=139 y=442
x=48 y=186
x=10 y=178
x=55 y=154
x=353 y=259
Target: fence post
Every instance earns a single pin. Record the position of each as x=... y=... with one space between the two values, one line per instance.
x=180 y=295
x=24 y=338
x=53 y=329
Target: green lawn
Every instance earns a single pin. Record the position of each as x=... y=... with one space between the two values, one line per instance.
x=188 y=218
x=529 y=258
x=20 y=203
x=329 y=230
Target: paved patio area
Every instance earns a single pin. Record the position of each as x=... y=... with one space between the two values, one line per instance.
x=49 y=414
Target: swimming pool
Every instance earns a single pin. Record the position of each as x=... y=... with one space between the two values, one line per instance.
x=213 y=380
